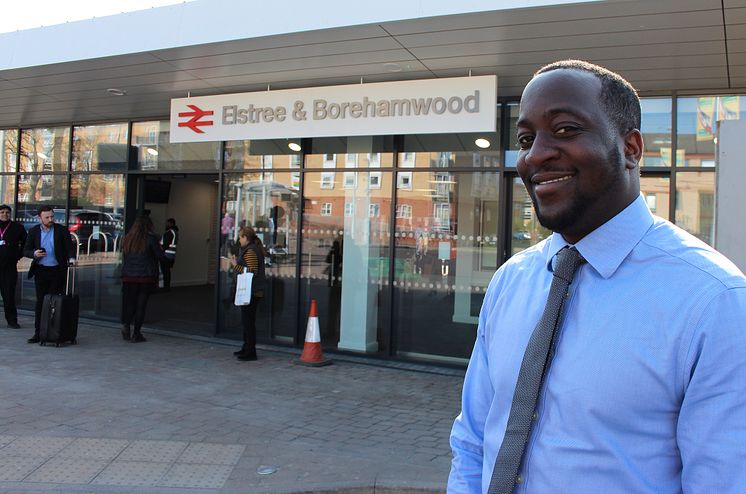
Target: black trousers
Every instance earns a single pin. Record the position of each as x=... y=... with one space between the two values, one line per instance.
x=166 y=265
x=47 y=280
x=8 y=280
x=248 y=320
x=135 y=303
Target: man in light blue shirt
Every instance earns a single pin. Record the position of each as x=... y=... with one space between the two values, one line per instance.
x=646 y=391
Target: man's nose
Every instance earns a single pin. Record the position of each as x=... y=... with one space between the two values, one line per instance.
x=542 y=149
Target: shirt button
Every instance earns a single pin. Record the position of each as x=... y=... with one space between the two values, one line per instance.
x=518 y=479
x=535 y=416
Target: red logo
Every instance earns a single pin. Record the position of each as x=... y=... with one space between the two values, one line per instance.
x=195 y=122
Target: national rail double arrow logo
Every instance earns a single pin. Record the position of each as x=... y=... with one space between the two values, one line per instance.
x=196 y=121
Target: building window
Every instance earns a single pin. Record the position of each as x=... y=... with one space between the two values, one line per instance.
x=350 y=180
x=349 y=209
x=374 y=210
x=404 y=211
x=327 y=180
x=442 y=216
x=374 y=180
x=404 y=180
x=326 y=209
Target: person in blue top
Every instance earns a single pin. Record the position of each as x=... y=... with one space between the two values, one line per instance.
x=51 y=249
x=646 y=389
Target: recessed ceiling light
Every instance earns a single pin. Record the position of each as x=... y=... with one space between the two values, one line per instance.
x=116 y=92
x=392 y=67
x=294 y=146
x=151 y=151
x=482 y=143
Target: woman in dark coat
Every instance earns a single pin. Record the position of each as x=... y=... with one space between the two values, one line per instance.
x=141 y=253
x=250 y=256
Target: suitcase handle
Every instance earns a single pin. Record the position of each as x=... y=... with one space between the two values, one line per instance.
x=70 y=290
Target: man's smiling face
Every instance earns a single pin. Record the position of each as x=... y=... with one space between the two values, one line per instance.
x=572 y=157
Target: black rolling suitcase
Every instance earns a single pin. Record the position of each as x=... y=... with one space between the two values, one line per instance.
x=59 y=314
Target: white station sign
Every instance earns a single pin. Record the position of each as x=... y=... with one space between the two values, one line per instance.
x=432 y=106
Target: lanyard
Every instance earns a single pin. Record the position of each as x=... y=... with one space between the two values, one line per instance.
x=2 y=232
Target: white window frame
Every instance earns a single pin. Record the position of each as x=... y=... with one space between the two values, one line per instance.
x=374 y=210
x=374 y=180
x=404 y=180
x=326 y=209
x=404 y=211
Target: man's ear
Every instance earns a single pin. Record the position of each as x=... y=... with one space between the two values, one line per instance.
x=633 y=148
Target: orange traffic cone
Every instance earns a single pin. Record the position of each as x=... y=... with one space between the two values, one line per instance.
x=312 y=346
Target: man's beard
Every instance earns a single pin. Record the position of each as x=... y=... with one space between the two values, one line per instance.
x=581 y=203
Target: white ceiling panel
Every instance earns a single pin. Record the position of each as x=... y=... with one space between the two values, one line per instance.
x=660 y=46
x=568 y=12
x=289 y=53
x=633 y=25
x=735 y=16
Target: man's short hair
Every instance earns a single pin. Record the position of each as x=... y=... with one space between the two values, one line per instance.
x=44 y=208
x=618 y=97
x=171 y=221
x=3 y=207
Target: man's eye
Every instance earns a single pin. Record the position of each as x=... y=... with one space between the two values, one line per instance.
x=566 y=129
x=525 y=141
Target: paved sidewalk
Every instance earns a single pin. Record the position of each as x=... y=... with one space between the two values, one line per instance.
x=182 y=415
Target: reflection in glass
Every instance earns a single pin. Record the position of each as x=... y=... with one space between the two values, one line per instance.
x=261 y=154
x=695 y=204
x=45 y=149
x=656 y=191
x=100 y=147
x=96 y=223
x=8 y=190
x=8 y=150
x=697 y=119
x=345 y=255
x=155 y=151
x=525 y=229
x=656 y=131
x=511 y=151
x=446 y=254
x=270 y=203
x=473 y=150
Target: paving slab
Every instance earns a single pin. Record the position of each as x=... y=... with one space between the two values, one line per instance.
x=180 y=414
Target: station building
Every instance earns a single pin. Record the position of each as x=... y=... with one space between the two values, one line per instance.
x=394 y=219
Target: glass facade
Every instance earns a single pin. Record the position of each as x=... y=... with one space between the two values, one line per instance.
x=395 y=237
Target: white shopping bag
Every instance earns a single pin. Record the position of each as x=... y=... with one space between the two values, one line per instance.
x=243 y=288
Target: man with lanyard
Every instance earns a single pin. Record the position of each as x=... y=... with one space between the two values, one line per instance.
x=12 y=240
x=52 y=250
x=610 y=357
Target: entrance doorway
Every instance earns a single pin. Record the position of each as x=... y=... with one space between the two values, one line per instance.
x=191 y=200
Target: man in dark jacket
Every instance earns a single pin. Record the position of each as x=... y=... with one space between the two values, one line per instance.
x=169 y=240
x=12 y=240
x=51 y=248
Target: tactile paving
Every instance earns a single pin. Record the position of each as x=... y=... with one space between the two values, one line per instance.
x=196 y=476
x=36 y=446
x=157 y=451
x=67 y=471
x=212 y=454
x=132 y=473
x=16 y=468
x=94 y=449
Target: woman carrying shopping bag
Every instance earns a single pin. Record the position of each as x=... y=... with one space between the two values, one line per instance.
x=250 y=258
x=141 y=254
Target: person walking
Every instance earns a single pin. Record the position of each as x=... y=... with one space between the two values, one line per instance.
x=12 y=240
x=169 y=240
x=250 y=256
x=141 y=253
x=610 y=357
x=51 y=249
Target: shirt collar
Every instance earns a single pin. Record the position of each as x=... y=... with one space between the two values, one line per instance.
x=608 y=245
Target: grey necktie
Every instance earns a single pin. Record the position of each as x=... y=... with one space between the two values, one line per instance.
x=535 y=362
